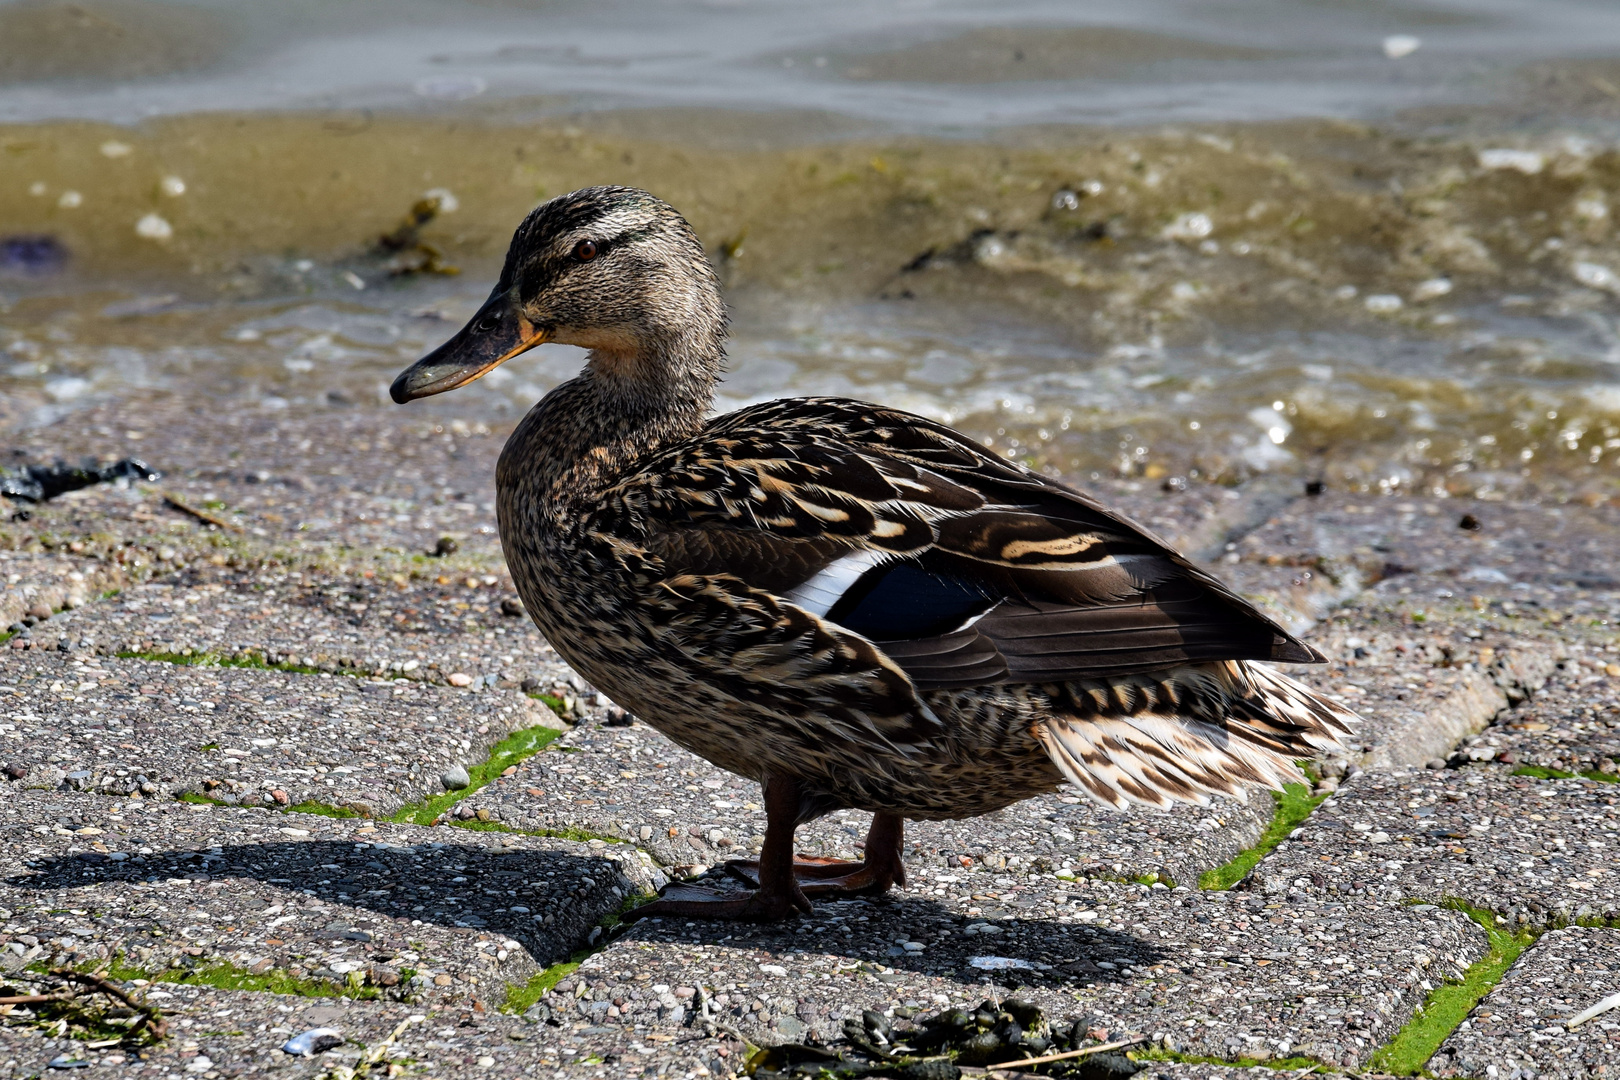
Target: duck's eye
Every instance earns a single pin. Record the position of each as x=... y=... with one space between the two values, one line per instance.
x=585 y=250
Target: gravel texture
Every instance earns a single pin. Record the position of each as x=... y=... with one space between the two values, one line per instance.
x=407 y=911
x=1538 y=852
x=1422 y=678
x=632 y=782
x=469 y=626
x=242 y=1035
x=1572 y=726
x=35 y=585
x=1519 y=1028
x=1209 y=974
x=241 y=735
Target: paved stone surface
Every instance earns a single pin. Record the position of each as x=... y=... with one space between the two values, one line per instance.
x=335 y=478
x=1489 y=648
x=34 y=585
x=634 y=783
x=1209 y=974
x=1424 y=677
x=1520 y=1028
x=416 y=913
x=1539 y=852
x=413 y=629
x=241 y=735
x=1423 y=540
x=1572 y=726
x=241 y=1034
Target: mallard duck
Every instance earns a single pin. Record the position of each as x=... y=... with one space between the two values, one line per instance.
x=853 y=605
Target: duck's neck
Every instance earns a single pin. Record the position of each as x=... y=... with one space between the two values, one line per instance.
x=587 y=433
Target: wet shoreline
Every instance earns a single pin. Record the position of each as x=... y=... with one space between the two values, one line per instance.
x=1321 y=300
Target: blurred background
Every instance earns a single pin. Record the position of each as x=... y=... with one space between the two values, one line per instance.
x=1367 y=243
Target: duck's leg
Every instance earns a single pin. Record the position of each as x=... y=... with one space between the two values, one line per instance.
x=777 y=894
x=882 y=868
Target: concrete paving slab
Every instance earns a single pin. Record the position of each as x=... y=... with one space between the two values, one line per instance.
x=241 y=1034
x=469 y=626
x=242 y=735
x=1423 y=677
x=1521 y=1028
x=1572 y=726
x=1216 y=974
x=634 y=783
x=407 y=911
x=1537 y=852
x=1477 y=545
x=318 y=477
x=36 y=584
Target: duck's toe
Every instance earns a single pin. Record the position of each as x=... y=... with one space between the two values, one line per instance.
x=818 y=876
x=700 y=902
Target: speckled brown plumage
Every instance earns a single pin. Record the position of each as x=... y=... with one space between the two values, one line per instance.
x=856 y=606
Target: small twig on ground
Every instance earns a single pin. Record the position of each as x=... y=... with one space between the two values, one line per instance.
x=201 y=515
x=35 y=999
x=1068 y=1054
x=151 y=1019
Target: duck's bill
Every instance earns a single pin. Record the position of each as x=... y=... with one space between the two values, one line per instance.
x=492 y=337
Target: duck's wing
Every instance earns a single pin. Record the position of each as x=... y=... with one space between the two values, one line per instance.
x=963 y=568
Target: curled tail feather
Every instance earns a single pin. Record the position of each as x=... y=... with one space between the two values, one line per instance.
x=1188 y=733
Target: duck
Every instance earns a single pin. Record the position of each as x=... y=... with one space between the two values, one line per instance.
x=855 y=606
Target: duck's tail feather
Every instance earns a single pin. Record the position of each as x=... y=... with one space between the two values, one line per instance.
x=1187 y=733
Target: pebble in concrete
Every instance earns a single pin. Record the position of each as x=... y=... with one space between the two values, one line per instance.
x=1521 y=1028
x=1537 y=852
x=634 y=783
x=240 y=735
x=1209 y=974
x=408 y=911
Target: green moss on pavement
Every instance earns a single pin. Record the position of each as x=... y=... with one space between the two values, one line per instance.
x=208 y=659
x=520 y=999
x=1450 y=1003
x=1294 y=805
x=226 y=976
x=1541 y=773
x=516 y=747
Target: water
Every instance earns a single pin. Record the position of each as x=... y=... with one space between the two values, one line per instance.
x=1271 y=248
x=915 y=65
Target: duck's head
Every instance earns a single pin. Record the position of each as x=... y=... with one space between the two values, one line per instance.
x=612 y=269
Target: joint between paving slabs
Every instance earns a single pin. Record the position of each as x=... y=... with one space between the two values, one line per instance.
x=258 y=660
x=224 y=975
x=1542 y=773
x=1295 y=804
x=521 y=998
x=7 y=635
x=1446 y=1006
x=510 y=751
